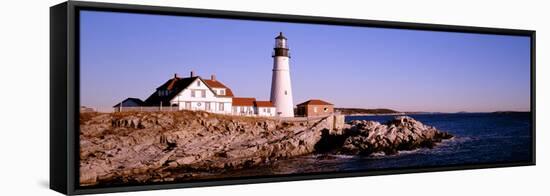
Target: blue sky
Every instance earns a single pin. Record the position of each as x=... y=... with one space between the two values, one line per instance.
x=129 y=55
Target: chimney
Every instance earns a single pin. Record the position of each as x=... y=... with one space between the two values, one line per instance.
x=192 y=74
x=213 y=77
x=175 y=75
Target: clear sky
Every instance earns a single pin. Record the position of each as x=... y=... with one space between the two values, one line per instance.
x=129 y=55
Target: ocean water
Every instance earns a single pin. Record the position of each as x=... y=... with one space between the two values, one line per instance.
x=480 y=138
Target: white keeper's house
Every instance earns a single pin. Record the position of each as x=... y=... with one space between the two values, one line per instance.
x=197 y=93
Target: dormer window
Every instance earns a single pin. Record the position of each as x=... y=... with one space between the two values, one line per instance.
x=222 y=92
x=163 y=92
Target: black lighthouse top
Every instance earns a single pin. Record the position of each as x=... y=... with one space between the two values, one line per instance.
x=280 y=36
x=281 y=47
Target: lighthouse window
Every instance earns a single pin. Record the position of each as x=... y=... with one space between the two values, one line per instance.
x=286 y=93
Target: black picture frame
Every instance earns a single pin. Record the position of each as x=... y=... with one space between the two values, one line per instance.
x=64 y=91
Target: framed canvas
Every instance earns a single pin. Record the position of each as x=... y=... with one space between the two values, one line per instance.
x=146 y=97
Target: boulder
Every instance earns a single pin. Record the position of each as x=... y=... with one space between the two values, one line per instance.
x=400 y=133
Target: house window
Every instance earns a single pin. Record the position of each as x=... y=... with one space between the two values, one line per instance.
x=315 y=109
x=192 y=93
x=207 y=105
x=187 y=105
x=265 y=109
x=199 y=83
x=222 y=92
x=163 y=92
x=221 y=107
x=203 y=93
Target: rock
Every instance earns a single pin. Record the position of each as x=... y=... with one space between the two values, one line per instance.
x=186 y=160
x=145 y=146
x=401 y=133
x=87 y=177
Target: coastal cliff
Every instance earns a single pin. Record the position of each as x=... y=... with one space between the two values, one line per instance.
x=142 y=147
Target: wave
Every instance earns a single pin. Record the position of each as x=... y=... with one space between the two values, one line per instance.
x=404 y=152
x=334 y=156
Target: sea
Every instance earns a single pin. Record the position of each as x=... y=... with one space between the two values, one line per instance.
x=479 y=138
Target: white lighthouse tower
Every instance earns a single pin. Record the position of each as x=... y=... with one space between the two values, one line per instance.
x=281 y=90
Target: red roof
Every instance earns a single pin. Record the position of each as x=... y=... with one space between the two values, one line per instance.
x=263 y=104
x=243 y=101
x=218 y=84
x=316 y=102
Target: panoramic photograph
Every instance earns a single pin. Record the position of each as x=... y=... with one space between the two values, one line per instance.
x=171 y=99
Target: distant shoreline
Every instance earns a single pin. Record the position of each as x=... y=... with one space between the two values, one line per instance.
x=370 y=114
x=424 y=113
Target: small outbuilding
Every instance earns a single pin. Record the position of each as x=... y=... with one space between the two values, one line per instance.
x=248 y=106
x=315 y=107
x=129 y=103
x=264 y=108
x=243 y=106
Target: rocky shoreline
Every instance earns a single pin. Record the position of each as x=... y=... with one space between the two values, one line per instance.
x=145 y=147
x=362 y=137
